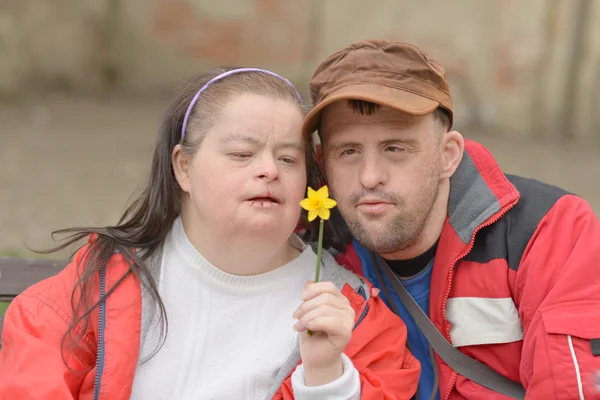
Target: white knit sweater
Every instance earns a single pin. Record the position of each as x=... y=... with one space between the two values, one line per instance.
x=227 y=335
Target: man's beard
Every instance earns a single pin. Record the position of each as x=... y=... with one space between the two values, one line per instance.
x=402 y=231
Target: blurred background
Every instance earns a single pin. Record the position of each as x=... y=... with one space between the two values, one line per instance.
x=83 y=85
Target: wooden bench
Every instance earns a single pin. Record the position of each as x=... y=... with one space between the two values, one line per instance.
x=18 y=274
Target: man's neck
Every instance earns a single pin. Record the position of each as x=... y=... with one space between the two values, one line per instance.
x=432 y=229
x=414 y=266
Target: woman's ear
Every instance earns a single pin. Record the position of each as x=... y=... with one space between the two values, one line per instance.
x=181 y=167
x=452 y=146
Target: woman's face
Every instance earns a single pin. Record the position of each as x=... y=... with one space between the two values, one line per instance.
x=249 y=173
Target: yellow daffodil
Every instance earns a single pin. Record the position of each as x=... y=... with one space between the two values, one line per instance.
x=318 y=203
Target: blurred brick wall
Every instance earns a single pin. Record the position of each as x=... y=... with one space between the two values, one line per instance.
x=508 y=61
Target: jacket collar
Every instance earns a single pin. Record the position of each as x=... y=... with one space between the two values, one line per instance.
x=479 y=192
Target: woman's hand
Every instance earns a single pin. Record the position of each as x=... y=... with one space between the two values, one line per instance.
x=328 y=314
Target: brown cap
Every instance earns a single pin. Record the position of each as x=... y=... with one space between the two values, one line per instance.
x=394 y=74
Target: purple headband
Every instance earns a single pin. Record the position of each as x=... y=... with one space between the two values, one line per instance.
x=221 y=76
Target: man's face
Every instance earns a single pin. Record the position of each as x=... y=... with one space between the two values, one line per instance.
x=384 y=171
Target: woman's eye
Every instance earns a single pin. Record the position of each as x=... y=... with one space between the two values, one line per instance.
x=288 y=160
x=241 y=155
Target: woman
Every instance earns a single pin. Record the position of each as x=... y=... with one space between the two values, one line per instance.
x=195 y=292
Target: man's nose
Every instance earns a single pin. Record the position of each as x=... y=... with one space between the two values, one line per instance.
x=372 y=173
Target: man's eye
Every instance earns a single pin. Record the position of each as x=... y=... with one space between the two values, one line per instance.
x=395 y=149
x=348 y=152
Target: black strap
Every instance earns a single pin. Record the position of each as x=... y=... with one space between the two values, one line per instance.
x=595 y=347
x=457 y=360
x=436 y=377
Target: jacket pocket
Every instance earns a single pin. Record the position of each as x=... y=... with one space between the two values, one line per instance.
x=483 y=321
x=572 y=330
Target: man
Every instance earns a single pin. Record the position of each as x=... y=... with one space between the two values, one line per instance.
x=506 y=268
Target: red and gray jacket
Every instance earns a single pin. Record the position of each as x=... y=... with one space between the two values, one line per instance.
x=515 y=283
x=103 y=368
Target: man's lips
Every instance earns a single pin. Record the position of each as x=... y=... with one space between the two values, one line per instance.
x=372 y=200
x=373 y=206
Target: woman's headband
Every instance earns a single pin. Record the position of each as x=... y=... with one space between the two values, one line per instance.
x=221 y=76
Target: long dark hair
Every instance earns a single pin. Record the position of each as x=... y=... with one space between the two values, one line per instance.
x=144 y=225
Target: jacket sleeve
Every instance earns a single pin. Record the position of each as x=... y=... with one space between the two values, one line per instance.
x=31 y=362
x=378 y=351
x=558 y=297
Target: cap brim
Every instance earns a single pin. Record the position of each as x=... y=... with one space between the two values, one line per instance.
x=398 y=99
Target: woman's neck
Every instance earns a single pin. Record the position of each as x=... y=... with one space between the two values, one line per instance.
x=239 y=255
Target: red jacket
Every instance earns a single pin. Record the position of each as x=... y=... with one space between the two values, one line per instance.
x=515 y=283
x=31 y=366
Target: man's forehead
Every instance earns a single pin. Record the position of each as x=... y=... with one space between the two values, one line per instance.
x=341 y=113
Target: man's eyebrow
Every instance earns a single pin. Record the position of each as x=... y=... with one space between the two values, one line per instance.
x=340 y=144
x=406 y=141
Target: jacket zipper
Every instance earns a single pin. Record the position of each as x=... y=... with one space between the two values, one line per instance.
x=451 y=275
x=363 y=294
x=101 y=326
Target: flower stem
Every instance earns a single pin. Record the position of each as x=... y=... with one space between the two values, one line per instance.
x=319 y=250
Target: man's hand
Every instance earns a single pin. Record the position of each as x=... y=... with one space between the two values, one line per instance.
x=329 y=315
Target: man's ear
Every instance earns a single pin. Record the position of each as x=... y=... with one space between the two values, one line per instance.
x=452 y=148
x=181 y=167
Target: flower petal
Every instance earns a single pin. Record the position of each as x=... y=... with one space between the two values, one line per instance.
x=305 y=204
x=312 y=214
x=311 y=193
x=329 y=203
x=323 y=192
x=324 y=213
